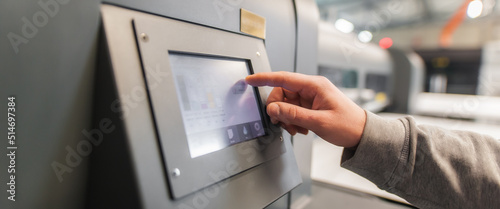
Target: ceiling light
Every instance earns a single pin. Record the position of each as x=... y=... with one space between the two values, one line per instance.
x=344 y=26
x=475 y=9
x=365 y=36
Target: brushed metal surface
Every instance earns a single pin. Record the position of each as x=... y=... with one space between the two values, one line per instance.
x=166 y=35
x=254 y=188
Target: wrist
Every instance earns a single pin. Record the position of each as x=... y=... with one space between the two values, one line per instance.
x=358 y=129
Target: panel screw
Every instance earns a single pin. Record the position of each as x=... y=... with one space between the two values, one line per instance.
x=144 y=37
x=281 y=138
x=176 y=172
x=258 y=54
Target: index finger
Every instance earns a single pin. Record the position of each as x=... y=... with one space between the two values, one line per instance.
x=291 y=81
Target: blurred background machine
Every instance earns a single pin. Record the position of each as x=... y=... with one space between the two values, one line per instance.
x=388 y=58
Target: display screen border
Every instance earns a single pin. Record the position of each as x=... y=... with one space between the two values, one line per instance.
x=185 y=174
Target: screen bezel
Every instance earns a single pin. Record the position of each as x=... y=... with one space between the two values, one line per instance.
x=186 y=174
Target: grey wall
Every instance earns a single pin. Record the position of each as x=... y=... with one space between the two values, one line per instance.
x=51 y=76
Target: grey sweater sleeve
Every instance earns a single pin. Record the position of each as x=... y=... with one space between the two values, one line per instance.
x=428 y=166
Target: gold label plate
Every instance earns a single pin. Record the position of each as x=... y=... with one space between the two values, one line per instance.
x=253 y=24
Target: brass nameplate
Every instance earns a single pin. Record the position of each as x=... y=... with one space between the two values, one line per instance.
x=253 y=24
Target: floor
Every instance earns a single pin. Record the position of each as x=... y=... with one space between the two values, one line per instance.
x=328 y=196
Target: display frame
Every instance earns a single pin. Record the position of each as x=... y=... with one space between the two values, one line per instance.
x=155 y=40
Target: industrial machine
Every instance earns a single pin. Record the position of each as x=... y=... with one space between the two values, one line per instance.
x=363 y=71
x=198 y=131
x=366 y=74
x=436 y=87
x=142 y=104
x=461 y=84
x=148 y=104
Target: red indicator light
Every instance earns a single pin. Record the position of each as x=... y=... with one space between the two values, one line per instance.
x=385 y=43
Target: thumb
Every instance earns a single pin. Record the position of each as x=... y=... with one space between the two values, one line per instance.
x=293 y=114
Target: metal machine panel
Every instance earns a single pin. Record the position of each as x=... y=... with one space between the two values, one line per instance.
x=306 y=63
x=256 y=187
x=225 y=15
x=157 y=39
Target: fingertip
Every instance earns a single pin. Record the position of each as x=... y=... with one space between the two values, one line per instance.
x=257 y=79
x=248 y=79
x=273 y=110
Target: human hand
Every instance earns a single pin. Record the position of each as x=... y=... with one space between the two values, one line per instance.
x=302 y=102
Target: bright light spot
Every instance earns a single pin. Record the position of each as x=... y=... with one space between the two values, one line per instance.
x=475 y=9
x=365 y=36
x=344 y=26
x=385 y=43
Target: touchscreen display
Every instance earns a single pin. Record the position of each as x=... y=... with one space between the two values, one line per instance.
x=218 y=108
